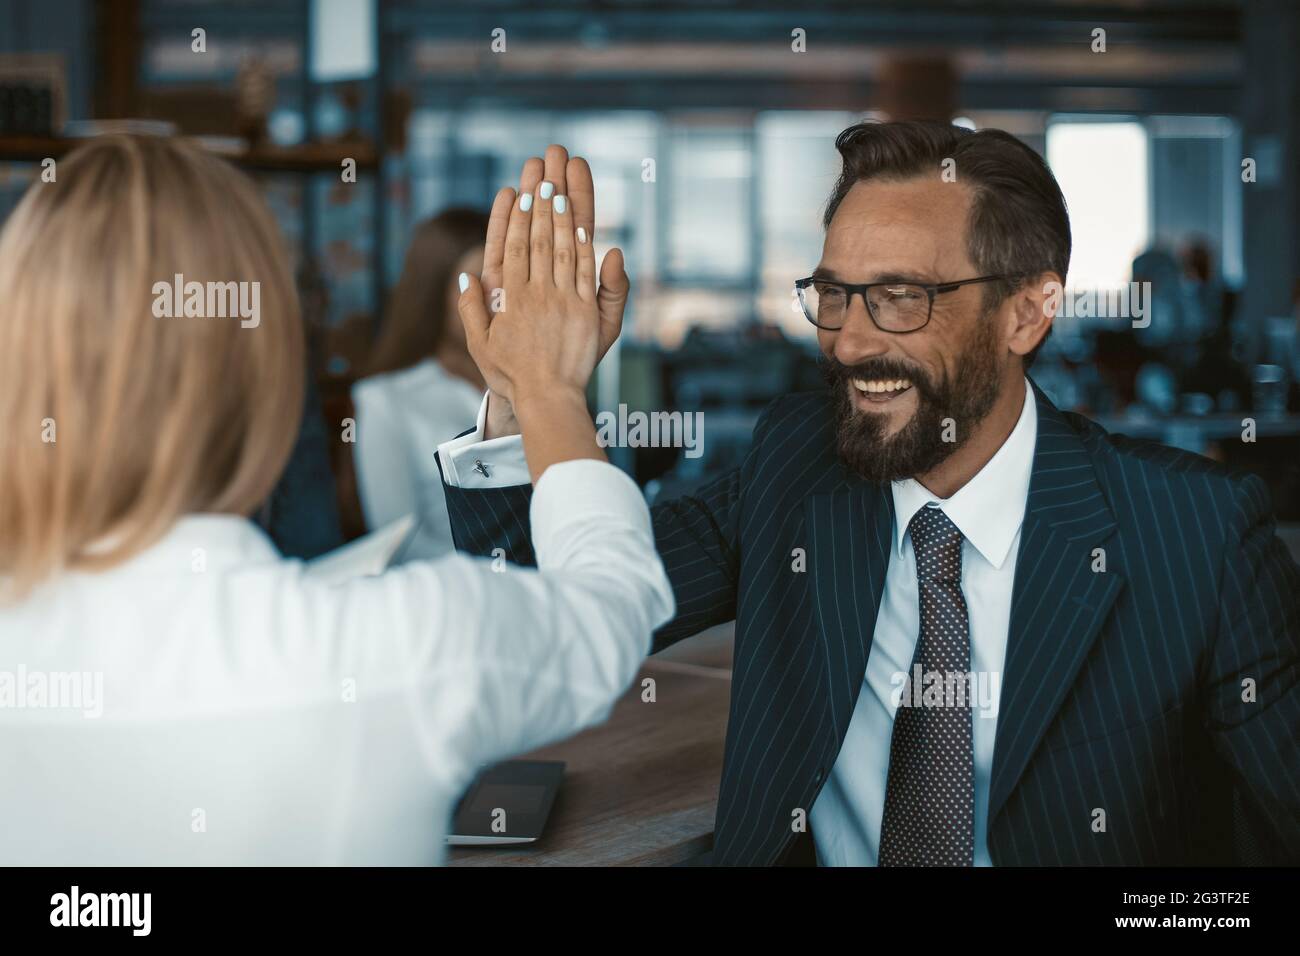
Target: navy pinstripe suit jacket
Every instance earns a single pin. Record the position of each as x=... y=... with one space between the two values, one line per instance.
x=1128 y=733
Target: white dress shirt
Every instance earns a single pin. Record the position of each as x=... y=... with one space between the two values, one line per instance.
x=988 y=510
x=401 y=418
x=249 y=714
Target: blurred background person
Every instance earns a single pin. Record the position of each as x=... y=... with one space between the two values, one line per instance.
x=422 y=387
x=1214 y=370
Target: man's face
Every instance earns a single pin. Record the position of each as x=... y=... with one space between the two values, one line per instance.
x=896 y=392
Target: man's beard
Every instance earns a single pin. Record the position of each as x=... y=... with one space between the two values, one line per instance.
x=919 y=446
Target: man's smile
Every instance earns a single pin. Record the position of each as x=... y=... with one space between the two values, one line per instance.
x=875 y=394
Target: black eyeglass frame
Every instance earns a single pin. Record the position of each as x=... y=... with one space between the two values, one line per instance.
x=850 y=290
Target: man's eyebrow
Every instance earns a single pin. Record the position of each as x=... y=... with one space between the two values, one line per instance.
x=829 y=276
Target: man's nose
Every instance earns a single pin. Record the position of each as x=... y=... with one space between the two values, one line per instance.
x=859 y=339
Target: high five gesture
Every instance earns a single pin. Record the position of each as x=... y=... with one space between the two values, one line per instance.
x=571 y=178
x=538 y=322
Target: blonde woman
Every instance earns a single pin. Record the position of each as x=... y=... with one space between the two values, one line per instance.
x=422 y=386
x=176 y=691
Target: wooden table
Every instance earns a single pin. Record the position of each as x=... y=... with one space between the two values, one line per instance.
x=641 y=789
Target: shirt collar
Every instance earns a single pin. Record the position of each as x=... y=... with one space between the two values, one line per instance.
x=989 y=509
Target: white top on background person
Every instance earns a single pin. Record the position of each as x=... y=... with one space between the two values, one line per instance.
x=421 y=386
x=402 y=417
x=171 y=690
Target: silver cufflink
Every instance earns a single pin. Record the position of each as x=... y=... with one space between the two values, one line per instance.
x=481 y=468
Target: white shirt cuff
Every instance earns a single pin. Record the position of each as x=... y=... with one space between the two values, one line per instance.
x=472 y=462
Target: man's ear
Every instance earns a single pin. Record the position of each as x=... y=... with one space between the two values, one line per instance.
x=1033 y=308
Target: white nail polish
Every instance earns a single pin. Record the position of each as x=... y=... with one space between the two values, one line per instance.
x=561 y=204
x=548 y=188
x=526 y=202
x=582 y=235
x=464 y=282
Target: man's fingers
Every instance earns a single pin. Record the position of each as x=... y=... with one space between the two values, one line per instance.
x=473 y=310
x=532 y=173
x=611 y=299
x=582 y=193
x=540 y=267
x=556 y=163
x=494 y=247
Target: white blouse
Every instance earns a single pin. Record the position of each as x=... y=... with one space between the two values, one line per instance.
x=402 y=417
x=208 y=702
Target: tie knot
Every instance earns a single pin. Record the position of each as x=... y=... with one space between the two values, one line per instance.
x=937 y=543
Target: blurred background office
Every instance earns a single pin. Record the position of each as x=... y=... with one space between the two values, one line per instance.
x=709 y=126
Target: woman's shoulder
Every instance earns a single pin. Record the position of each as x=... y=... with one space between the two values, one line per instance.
x=413 y=378
x=426 y=388
x=424 y=376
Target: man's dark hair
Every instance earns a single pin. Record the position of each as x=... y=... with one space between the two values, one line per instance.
x=1018 y=223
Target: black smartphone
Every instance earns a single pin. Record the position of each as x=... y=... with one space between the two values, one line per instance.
x=507 y=803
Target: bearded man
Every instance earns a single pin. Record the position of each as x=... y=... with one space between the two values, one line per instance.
x=1104 y=631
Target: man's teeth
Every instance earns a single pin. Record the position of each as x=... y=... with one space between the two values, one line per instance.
x=881 y=384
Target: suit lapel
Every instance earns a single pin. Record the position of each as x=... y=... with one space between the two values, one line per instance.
x=1058 y=602
x=849 y=534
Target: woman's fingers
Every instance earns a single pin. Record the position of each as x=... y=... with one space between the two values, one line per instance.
x=557 y=163
x=540 y=266
x=473 y=311
x=530 y=174
x=582 y=197
x=585 y=268
x=565 y=254
x=611 y=298
x=516 y=268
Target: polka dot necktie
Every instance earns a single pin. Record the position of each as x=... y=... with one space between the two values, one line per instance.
x=929 y=817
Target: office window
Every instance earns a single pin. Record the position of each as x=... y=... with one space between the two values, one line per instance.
x=343 y=45
x=706 y=179
x=797 y=167
x=1103 y=171
x=1196 y=186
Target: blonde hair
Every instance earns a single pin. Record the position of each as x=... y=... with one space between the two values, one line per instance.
x=117 y=422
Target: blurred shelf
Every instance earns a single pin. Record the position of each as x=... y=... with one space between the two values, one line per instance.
x=1200 y=434
x=307 y=158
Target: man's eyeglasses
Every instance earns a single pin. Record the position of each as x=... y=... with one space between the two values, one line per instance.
x=893 y=306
